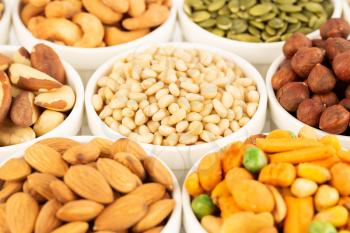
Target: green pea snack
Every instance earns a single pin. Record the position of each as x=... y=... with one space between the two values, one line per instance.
x=202 y=206
x=259 y=20
x=254 y=159
x=321 y=227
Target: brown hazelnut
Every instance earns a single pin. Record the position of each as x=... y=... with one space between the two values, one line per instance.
x=319 y=43
x=292 y=94
x=305 y=59
x=296 y=41
x=321 y=80
x=347 y=92
x=341 y=66
x=335 y=46
x=285 y=74
x=335 y=119
x=345 y=103
x=334 y=28
x=309 y=112
x=328 y=99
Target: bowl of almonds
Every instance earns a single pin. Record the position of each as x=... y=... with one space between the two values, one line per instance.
x=40 y=96
x=87 y=33
x=253 y=29
x=85 y=184
x=176 y=99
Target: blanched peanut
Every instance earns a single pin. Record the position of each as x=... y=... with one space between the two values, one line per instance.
x=326 y=196
x=303 y=187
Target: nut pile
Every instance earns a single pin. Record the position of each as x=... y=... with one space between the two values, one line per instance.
x=258 y=20
x=34 y=97
x=64 y=186
x=93 y=23
x=173 y=96
x=274 y=183
x=315 y=76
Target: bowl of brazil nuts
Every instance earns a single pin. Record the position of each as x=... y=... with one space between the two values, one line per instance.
x=176 y=99
x=41 y=96
x=253 y=29
x=87 y=33
x=83 y=184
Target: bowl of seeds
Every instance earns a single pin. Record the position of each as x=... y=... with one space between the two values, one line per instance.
x=177 y=100
x=253 y=29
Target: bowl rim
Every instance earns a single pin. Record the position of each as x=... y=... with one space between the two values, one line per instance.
x=338 y=7
x=175 y=217
x=7 y=11
x=346 y=10
x=273 y=102
x=17 y=22
x=239 y=61
x=73 y=77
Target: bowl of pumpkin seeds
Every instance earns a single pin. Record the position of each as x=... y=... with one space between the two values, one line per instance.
x=253 y=29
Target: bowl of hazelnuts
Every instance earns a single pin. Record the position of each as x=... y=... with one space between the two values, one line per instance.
x=310 y=83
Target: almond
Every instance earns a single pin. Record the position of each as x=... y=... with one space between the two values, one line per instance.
x=21 y=213
x=62 y=192
x=81 y=210
x=27 y=189
x=9 y=188
x=155 y=230
x=45 y=59
x=128 y=146
x=61 y=99
x=157 y=212
x=105 y=146
x=73 y=227
x=81 y=154
x=46 y=160
x=5 y=95
x=158 y=172
x=59 y=144
x=47 y=220
x=5 y=62
x=150 y=192
x=117 y=175
x=130 y=161
x=88 y=183
x=128 y=210
x=40 y=183
x=48 y=121
x=11 y=134
x=14 y=169
x=23 y=111
x=3 y=223
x=30 y=79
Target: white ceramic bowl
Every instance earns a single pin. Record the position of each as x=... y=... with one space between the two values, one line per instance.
x=71 y=125
x=174 y=223
x=182 y=157
x=281 y=117
x=346 y=10
x=256 y=53
x=5 y=22
x=91 y=58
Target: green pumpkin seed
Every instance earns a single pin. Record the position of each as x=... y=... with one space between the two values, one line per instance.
x=290 y=8
x=254 y=31
x=218 y=32
x=207 y=23
x=276 y=23
x=305 y=30
x=243 y=15
x=273 y=39
x=256 y=24
x=282 y=30
x=285 y=1
x=200 y=16
x=290 y=19
x=286 y=36
x=312 y=21
x=294 y=27
x=271 y=31
x=260 y=9
x=233 y=5
x=223 y=22
x=246 y=4
x=216 y=5
x=187 y=9
x=197 y=4
x=266 y=17
x=224 y=11
x=245 y=37
x=300 y=17
x=321 y=20
x=239 y=26
x=328 y=7
x=313 y=7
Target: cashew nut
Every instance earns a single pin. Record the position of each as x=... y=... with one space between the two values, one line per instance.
x=29 y=11
x=39 y=3
x=136 y=7
x=93 y=30
x=115 y=36
x=55 y=29
x=154 y=16
x=120 y=6
x=63 y=9
x=101 y=11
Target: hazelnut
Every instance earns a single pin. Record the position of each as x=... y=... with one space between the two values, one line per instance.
x=335 y=119
x=345 y=103
x=328 y=99
x=296 y=41
x=334 y=28
x=309 y=112
x=285 y=74
x=341 y=66
x=335 y=46
x=319 y=43
x=347 y=92
x=321 y=80
x=292 y=94
x=305 y=59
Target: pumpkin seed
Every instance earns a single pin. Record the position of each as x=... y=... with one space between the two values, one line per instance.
x=224 y=11
x=290 y=8
x=246 y=4
x=273 y=39
x=223 y=22
x=299 y=16
x=218 y=31
x=207 y=23
x=200 y=16
x=216 y=5
x=312 y=21
x=285 y=1
x=271 y=31
x=294 y=27
x=266 y=17
x=256 y=24
x=260 y=9
x=245 y=37
x=254 y=31
x=187 y=9
x=233 y=5
x=276 y=23
x=290 y=19
x=313 y=7
x=305 y=30
x=239 y=26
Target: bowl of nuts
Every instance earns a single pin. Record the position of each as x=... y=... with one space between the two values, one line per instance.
x=40 y=96
x=309 y=84
x=254 y=30
x=5 y=20
x=176 y=99
x=87 y=33
x=83 y=184
x=277 y=182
